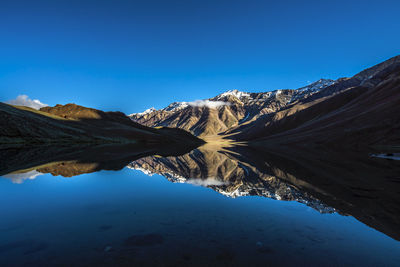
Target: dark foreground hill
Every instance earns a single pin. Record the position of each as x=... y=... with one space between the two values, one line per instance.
x=76 y=124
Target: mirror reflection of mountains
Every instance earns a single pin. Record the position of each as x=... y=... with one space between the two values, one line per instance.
x=220 y=171
x=348 y=182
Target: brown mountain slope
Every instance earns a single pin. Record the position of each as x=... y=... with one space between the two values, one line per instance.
x=76 y=124
x=227 y=110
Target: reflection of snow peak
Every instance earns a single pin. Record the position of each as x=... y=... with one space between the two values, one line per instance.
x=147 y=172
x=245 y=189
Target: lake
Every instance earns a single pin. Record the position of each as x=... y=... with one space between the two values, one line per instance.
x=224 y=207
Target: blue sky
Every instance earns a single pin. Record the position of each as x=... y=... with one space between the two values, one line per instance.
x=132 y=55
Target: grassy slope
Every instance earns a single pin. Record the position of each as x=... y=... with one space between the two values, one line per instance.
x=76 y=124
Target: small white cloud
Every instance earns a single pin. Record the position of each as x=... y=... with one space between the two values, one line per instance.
x=208 y=103
x=19 y=178
x=206 y=182
x=24 y=100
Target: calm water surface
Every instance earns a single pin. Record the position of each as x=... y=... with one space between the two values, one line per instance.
x=129 y=218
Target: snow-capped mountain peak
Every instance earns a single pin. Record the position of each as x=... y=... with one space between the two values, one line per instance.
x=176 y=106
x=147 y=111
x=236 y=93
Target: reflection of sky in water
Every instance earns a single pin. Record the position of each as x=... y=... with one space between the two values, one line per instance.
x=86 y=219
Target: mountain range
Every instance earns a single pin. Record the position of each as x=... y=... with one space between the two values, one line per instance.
x=225 y=111
x=358 y=111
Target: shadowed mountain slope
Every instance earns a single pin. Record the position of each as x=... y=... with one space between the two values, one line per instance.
x=364 y=115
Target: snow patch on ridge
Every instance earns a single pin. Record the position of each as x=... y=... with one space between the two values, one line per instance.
x=176 y=106
x=318 y=85
x=197 y=103
x=311 y=89
x=235 y=93
x=147 y=111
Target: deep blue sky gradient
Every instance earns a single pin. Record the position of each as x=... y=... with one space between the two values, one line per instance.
x=131 y=55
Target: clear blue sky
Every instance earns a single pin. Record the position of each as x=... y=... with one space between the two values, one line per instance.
x=131 y=55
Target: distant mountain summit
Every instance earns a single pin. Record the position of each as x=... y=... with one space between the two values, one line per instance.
x=226 y=110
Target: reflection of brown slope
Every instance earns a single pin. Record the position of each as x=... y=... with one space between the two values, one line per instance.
x=69 y=168
x=76 y=124
x=77 y=159
x=350 y=182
